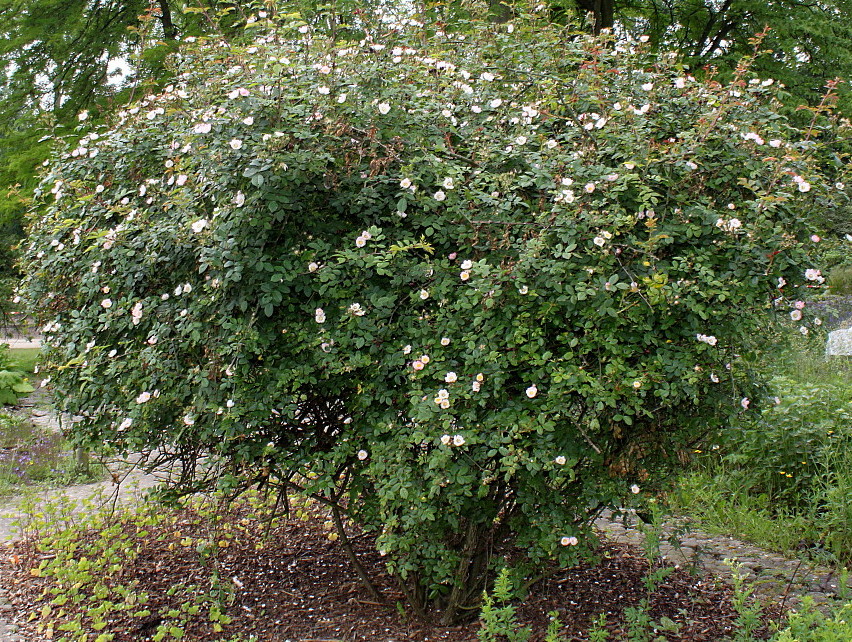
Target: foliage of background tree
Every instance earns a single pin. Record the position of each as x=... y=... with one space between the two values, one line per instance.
x=809 y=41
x=465 y=290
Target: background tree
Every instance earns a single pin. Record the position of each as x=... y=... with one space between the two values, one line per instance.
x=810 y=42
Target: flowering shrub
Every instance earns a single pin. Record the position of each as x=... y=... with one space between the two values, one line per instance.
x=470 y=290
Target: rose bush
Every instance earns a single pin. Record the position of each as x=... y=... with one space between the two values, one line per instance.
x=467 y=290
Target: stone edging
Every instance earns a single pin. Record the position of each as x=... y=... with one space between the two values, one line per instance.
x=775 y=578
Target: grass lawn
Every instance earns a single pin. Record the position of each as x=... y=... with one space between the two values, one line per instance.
x=24 y=359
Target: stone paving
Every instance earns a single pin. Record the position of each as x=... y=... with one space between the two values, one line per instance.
x=776 y=579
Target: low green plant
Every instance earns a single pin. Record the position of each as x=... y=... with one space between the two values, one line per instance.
x=711 y=495
x=784 y=449
x=553 y=629
x=640 y=627
x=810 y=624
x=24 y=359
x=832 y=502
x=638 y=622
x=497 y=617
x=747 y=608
x=12 y=382
x=598 y=631
x=82 y=556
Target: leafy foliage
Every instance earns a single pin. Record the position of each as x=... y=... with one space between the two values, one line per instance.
x=784 y=450
x=468 y=290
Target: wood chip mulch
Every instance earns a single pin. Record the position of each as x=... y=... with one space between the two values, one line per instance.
x=298 y=586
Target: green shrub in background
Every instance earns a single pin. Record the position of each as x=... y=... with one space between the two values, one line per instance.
x=784 y=450
x=468 y=290
x=840 y=280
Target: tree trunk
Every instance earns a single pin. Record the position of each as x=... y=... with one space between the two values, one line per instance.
x=603 y=13
x=169 y=29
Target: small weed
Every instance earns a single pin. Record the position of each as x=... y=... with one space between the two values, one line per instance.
x=809 y=624
x=598 y=631
x=497 y=617
x=747 y=608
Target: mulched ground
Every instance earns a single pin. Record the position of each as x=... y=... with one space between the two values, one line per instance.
x=299 y=586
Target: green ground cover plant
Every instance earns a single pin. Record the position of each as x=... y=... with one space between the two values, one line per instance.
x=199 y=570
x=466 y=291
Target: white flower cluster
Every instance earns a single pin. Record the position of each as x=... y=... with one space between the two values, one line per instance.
x=802 y=184
x=455 y=440
x=729 y=225
x=708 y=339
x=362 y=239
x=814 y=275
x=442 y=399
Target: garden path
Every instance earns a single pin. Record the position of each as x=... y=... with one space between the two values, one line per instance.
x=776 y=579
